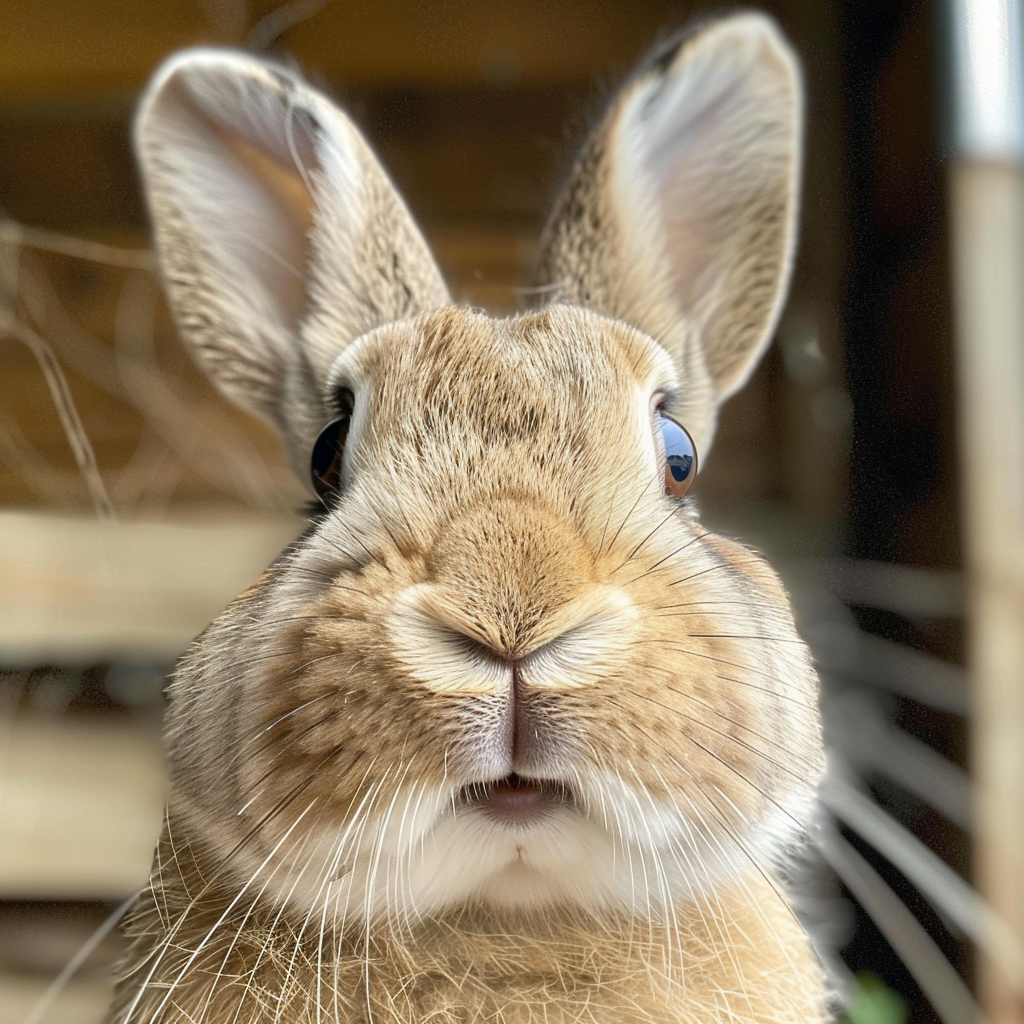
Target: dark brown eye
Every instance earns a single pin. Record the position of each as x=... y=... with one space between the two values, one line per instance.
x=680 y=456
x=325 y=462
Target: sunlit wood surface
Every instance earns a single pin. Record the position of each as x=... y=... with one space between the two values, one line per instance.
x=988 y=219
x=74 y=590
x=94 y=786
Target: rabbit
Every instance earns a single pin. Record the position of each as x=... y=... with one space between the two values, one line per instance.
x=506 y=734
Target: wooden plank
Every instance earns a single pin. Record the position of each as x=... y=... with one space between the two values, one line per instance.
x=52 y=49
x=80 y=806
x=988 y=225
x=81 y=1001
x=76 y=590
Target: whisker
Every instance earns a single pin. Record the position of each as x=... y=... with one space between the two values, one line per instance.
x=773 y=740
x=288 y=714
x=718 y=759
x=748 y=636
x=622 y=525
x=720 y=566
x=690 y=604
x=711 y=657
x=662 y=561
x=718 y=732
x=670 y=516
x=199 y=948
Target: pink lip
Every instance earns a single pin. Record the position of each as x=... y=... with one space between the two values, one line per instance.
x=514 y=800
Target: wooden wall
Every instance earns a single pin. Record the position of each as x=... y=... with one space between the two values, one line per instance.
x=476 y=109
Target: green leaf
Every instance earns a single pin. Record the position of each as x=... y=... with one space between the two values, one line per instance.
x=874 y=1003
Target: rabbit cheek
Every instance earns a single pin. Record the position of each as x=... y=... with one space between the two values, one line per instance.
x=719 y=730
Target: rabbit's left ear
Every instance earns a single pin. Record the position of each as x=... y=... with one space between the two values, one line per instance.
x=679 y=217
x=280 y=237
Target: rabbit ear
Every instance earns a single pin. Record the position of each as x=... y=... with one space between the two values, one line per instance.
x=679 y=216
x=280 y=236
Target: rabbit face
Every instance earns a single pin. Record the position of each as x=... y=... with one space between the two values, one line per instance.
x=502 y=666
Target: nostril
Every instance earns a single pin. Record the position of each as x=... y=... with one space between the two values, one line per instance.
x=450 y=652
x=474 y=646
x=444 y=651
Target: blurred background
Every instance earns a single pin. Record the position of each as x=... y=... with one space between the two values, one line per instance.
x=135 y=503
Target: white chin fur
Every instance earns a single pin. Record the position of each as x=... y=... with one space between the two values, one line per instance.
x=631 y=853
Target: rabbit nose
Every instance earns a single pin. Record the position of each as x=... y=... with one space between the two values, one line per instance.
x=496 y=647
x=520 y=730
x=521 y=737
x=507 y=563
x=450 y=648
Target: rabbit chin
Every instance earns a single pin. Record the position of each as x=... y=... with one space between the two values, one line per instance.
x=637 y=856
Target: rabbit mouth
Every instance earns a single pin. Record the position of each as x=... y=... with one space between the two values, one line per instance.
x=515 y=800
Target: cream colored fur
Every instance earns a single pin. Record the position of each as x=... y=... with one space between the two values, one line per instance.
x=501 y=585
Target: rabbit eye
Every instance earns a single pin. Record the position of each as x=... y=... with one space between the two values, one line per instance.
x=325 y=463
x=680 y=456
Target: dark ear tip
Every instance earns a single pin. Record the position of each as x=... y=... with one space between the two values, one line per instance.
x=663 y=54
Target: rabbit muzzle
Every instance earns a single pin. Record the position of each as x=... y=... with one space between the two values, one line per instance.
x=516 y=801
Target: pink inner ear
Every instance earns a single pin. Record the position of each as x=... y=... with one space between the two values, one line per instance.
x=701 y=145
x=283 y=187
x=245 y=157
x=709 y=151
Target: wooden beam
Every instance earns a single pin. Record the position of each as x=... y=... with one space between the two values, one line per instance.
x=81 y=803
x=76 y=590
x=51 y=49
x=988 y=230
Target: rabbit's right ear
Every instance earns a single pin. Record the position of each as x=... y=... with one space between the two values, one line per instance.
x=280 y=237
x=680 y=214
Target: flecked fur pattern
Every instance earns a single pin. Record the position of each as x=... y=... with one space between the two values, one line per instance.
x=500 y=588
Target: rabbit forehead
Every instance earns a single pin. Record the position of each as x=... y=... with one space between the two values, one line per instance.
x=554 y=361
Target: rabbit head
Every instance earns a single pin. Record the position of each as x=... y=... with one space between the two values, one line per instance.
x=505 y=665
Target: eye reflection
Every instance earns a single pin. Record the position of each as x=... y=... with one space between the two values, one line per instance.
x=680 y=456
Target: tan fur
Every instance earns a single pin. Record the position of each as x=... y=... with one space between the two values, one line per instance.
x=473 y=965
x=704 y=268
x=501 y=505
